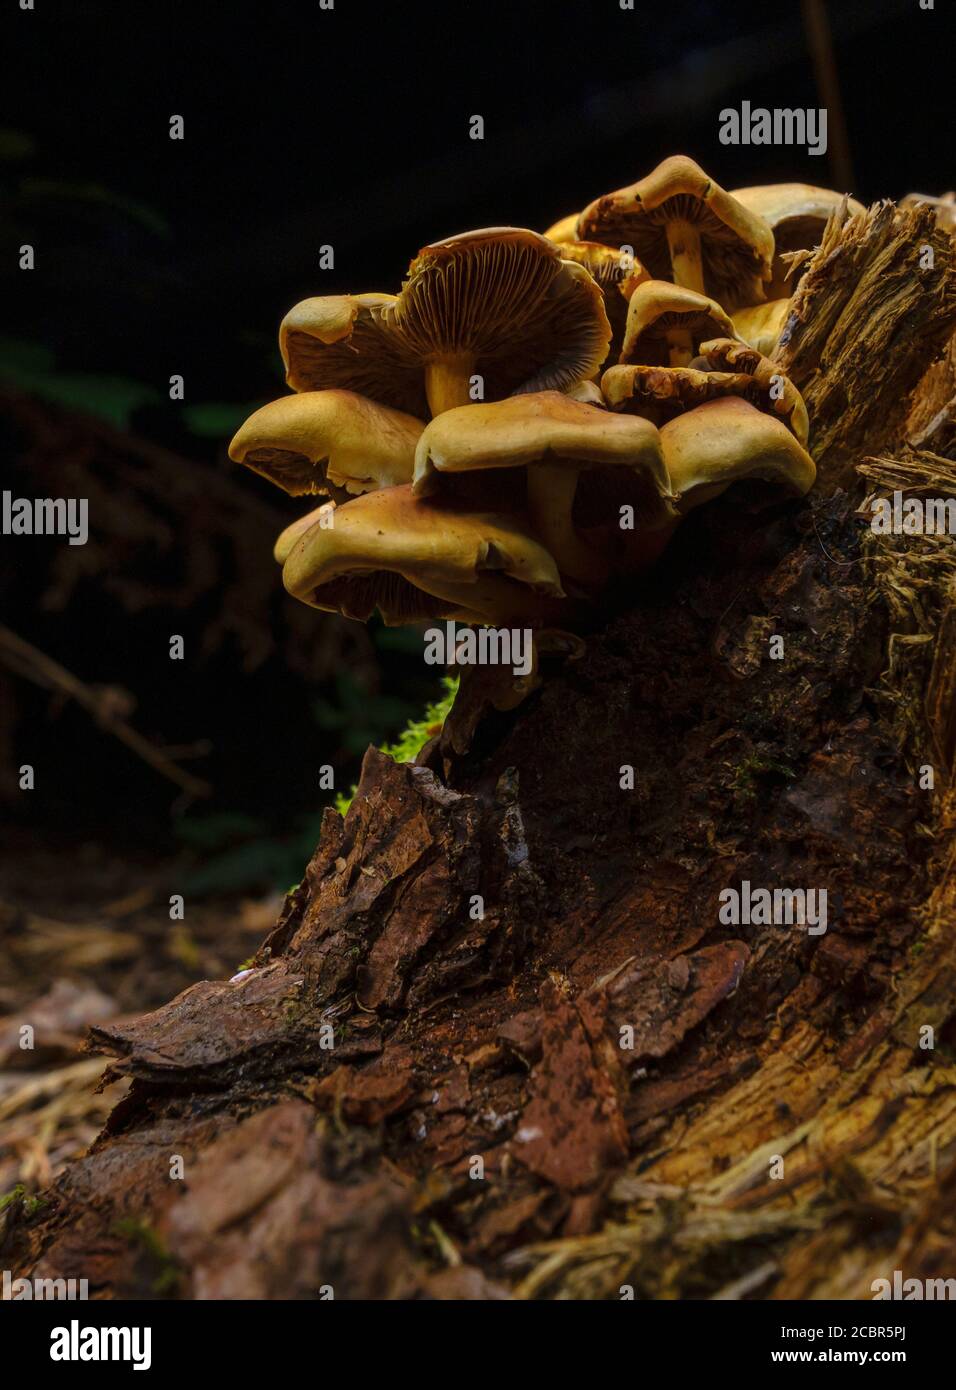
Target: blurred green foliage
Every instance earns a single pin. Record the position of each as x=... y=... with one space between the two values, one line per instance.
x=32 y=368
x=237 y=852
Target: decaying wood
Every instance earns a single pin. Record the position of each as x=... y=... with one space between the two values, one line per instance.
x=876 y=306
x=484 y=929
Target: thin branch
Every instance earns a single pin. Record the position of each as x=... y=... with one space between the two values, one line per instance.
x=28 y=661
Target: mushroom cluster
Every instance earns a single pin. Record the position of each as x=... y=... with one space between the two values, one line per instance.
x=532 y=415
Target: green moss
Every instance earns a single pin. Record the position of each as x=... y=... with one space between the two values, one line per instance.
x=413 y=738
x=14 y=1195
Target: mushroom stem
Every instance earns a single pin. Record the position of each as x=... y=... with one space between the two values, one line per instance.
x=448 y=382
x=551 y=489
x=680 y=347
x=683 y=239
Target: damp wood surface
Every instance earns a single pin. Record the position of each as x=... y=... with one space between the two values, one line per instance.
x=775 y=1129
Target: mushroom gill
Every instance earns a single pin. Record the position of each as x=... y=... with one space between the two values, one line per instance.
x=328 y=442
x=684 y=226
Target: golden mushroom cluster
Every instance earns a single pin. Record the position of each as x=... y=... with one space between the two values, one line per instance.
x=531 y=416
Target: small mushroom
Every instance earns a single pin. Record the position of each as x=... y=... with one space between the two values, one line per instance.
x=666 y=322
x=796 y=213
x=414 y=559
x=499 y=304
x=727 y=441
x=580 y=465
x=761 y=326
x=328 y=442
x=684 y=226
x=503 y=305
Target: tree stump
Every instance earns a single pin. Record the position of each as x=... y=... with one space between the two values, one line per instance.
x=504 y=1040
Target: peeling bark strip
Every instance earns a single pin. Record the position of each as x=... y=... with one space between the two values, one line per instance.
x=877 y=304
x=774 y=1125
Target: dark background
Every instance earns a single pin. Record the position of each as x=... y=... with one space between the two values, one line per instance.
x=347 y=127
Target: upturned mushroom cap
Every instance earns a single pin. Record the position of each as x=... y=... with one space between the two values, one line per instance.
x=414 y=560
x=797 y=213
x=502 y=304
x=761 y=326
x=328 y=442
x=728 y=441
x=657 y=309
x=343 y=341
x=659 y=393
x=582 y=465
x=771 y=389
x=736 y=244
x=725 y=367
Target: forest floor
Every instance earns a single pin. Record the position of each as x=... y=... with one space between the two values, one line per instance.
x=86 y=937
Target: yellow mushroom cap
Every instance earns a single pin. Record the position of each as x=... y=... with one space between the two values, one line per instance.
x=618 y=276
x=770 y=390
x=565 y=229
x=323 y=441
x=581 y=464
x=670 y=390
x=727 y=441
x=736 y=244
x=657 y=307
x=415 y=559
x=546 y=426
x=607 y=265
x=290 y=537
x=343 y=341
x=761 y=325
x=796 y=212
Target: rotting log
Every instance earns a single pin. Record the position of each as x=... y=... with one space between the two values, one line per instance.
x=420 y=1089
